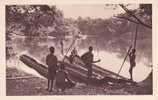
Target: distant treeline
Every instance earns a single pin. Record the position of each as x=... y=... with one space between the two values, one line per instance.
x=34 y=22
x=116 y=35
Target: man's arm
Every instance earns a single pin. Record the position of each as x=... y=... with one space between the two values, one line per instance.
x=47 y=59
x=129 y=54
x=96 y=61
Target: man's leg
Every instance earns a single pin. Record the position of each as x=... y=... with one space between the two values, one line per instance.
x=48 y=84
x=51 y=85
x=48 y=87
x=89 y=74
x=130 y=71
x=53 y=80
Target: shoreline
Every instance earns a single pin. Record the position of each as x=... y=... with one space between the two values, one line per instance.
x=37 y=86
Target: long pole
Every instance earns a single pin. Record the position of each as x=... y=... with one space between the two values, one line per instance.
x=136 y=36
x=124 y=59
x=97 y=49
x=62 y=46
x=129 y=49
x=69 y=49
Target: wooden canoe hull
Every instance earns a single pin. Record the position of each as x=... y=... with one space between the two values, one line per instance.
x=101 y=72
x=76 y=72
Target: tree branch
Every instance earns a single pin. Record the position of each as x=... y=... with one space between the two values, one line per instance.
x=134 y=16
x=127 y=19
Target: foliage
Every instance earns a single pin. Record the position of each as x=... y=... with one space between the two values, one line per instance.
x=116 y=34
x=31 y=17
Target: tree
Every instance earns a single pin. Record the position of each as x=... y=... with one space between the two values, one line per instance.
x=143 y=16
x=144 y=12
x=31 y=18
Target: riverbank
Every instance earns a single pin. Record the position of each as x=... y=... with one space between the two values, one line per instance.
x=19 y=83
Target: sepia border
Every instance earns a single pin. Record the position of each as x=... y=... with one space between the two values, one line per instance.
x=107 y=97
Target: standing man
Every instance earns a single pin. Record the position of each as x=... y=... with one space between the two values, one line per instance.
x=132 y=63
x=88 y=60
x=51 y=61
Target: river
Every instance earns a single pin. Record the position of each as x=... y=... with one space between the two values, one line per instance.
x=109 y=60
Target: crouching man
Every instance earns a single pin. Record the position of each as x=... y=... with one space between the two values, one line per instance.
x=62 y=80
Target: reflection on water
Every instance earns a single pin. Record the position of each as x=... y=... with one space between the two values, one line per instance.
x=109 y=60
x=113 y=63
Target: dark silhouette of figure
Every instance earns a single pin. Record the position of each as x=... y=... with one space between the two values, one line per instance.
x=73 y=54
x=62 y=79
x=51 y=61
x=132 y=63
x=88 y=60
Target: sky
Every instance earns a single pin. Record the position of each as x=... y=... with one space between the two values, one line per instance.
x=91 y=10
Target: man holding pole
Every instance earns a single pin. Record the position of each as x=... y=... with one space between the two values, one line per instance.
x=132 y=63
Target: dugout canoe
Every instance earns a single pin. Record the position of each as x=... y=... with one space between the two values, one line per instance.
x=99 y=71
x=77 y=72
x=102 y=75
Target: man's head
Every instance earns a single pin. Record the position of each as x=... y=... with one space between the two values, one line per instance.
x=91 y=48
x=133 y=50
x=51 y=49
